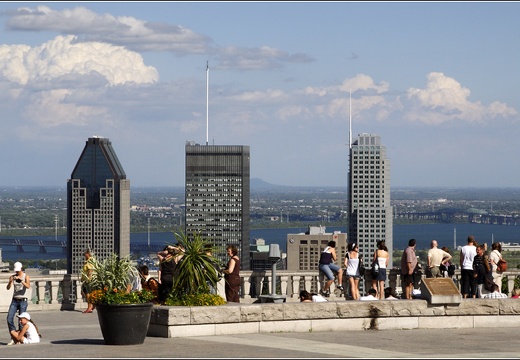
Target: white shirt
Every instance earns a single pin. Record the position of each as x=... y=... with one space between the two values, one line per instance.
x=468 y=254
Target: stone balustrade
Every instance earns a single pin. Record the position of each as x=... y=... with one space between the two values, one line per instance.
x=64 y=291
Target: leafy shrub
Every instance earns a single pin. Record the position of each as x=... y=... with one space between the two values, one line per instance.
x=200 y=299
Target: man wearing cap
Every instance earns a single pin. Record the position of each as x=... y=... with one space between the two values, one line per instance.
x=20 y=283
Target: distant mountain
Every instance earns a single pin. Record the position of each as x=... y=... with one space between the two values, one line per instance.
x=261 y=185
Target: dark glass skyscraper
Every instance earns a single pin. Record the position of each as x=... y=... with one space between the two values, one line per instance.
x=217 y=197
x=98 y=205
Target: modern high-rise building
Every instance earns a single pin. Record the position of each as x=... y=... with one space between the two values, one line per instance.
x=370 y=213
x=217 y=197
x=98 y=205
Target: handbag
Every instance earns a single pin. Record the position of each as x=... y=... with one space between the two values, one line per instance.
x=375 y=269
x=501 y=265
x=361 y=267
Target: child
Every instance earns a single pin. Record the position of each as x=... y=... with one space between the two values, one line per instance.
x=29 y=333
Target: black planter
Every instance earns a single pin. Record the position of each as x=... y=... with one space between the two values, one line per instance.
x=124 y=324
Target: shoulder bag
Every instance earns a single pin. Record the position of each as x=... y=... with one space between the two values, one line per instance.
x=501 y=265
x=361 y=267
x=375 y=269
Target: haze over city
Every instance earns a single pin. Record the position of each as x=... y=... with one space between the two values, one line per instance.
x=437 y=81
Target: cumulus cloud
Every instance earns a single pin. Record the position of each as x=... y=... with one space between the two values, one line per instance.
x=48 y=81
x=64 y=56
x=444 y=99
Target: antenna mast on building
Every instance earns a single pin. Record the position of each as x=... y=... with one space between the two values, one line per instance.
x=350 y=120
x=207 y=101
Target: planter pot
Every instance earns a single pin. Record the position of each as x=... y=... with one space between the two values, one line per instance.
x=124 y=324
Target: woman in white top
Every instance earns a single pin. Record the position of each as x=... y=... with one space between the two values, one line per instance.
x=352 y=259
x=381 y=256
x=494 y=257
x=28 y=334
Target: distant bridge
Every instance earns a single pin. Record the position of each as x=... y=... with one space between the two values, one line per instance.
x=22 y=245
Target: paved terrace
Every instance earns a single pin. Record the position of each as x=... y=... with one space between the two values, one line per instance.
x=71 y=334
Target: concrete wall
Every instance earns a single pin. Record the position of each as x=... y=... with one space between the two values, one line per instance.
x=232 y=319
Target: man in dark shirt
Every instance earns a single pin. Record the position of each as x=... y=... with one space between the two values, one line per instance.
x=408 y=268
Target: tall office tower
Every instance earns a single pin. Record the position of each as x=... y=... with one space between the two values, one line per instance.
x=98 y=205
x=217 y=197
x=370 y=213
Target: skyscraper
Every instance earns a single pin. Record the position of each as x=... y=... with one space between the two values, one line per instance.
x=98 y=205
x=370 y=213
x=217 y=197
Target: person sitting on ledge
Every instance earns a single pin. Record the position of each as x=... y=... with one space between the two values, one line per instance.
x=495 y=294
x=371 y=295
x=390 y=294
x=306 y=296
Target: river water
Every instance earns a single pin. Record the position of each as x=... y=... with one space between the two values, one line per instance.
x=451 y=235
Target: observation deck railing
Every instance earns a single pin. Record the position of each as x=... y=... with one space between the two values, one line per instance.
x=63 y=291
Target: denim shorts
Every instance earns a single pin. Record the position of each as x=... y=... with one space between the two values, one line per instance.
x=329 y=270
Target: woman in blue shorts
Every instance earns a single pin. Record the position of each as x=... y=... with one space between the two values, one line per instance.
x=329 y=268
x=381 y=257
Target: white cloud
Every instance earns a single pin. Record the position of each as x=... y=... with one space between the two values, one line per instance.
x=139 y=35
x=63 y=56
x=444 y=99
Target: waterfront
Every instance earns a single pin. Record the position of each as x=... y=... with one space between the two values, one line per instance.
x=444 y=233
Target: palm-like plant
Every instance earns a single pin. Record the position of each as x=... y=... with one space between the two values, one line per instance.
x=196 y=271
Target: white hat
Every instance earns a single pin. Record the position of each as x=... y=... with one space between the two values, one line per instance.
x=17 y=266
x=24 y=315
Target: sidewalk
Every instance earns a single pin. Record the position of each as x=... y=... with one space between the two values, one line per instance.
x=71 y=334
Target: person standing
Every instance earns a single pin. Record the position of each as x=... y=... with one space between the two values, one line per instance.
x=481 y=270
x=169 y=259
x=20 y=282
x=352 y=259
x=329 y=268
x=467 y=254
x=232 y=275
x=436 y=257
x=381 y=256
x=409 y=265
x=495 y=256
x=86 y=273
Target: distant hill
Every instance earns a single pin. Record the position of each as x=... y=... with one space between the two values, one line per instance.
x=261 y=185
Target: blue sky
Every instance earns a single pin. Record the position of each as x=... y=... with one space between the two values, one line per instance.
x=438 y=81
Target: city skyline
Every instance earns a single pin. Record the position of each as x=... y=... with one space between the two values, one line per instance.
x=429 y=78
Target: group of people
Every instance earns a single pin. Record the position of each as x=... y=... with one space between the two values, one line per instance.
x=479 y=274
x=480 y=277
x=25 y=331
x=352 y=265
